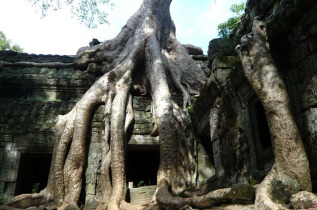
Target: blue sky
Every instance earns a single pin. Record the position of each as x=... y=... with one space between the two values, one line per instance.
x=196 y=23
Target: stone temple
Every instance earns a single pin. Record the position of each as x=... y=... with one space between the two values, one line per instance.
x=234 y=143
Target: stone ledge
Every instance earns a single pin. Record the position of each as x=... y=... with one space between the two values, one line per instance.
x=11 y=56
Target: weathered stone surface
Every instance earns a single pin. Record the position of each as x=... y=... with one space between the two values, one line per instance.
x=225 y=62
x=144 y=140
x=205 y=167
x=10 y=164
x=142 y=103
x=2 y=187
x=221 y=47
x=293 y=46
x=304 y=200
x=142 y=195
x=242 y=193
x=10 y=188
x=310 y=120
x=11 y=56
x=30 y=101
x=193 y=50
x=202 y=62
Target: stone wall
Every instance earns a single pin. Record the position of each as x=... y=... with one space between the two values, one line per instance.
x=227 y=111
x=292 y=30
x=30 y=101
x=220 y=115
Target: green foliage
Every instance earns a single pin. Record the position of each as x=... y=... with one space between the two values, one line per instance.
x=238 y=9
x=190 y=108
x=16 y=48
x=88 y=12
x=5 y=44
x=253 y=181
x=35 y=188
x=141 y=183
x=224 y=29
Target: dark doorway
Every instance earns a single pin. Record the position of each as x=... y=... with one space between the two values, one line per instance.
x=261 y=135
x=142 y=167
x=33 y=172
x=263 y=127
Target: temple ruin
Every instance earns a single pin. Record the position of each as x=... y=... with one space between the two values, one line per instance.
x=234 y=143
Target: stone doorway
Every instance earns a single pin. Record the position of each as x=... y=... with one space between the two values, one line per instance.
x=262 y=140
x=33 y=172
x=142 y=166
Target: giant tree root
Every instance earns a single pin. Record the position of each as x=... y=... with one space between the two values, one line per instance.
x=26 y=200
x=290 y=173
x=145 y=58
x=217 y=197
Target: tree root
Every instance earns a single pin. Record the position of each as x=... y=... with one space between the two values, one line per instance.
x=264 y=193
x=147 y=44
x=221 y=196
x=26 y=200
x=290 y=173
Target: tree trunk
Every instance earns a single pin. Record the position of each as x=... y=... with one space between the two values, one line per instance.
x=290 y=173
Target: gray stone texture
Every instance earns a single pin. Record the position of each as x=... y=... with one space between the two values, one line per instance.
x=30 y=101
x=304 y=200
x=32 y=98
x=193 y=50
x=227 y=98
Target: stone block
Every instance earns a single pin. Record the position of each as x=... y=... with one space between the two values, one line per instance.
x=303 y=50
x=2 y=187
x=98 y=117
x=205 y=167
x=142 y=129
x=10 y=188
x=223 y=47
x=307 y=68
x=304 y=200
x=141 y=103
x=4 y=197
x=144 y=140
x=225 y=62
x=193 y=50
x=244 y=193
x=223 y=77
x=203 y=64
x=310 y=120
x=91 y=189
x=307 y=82
x=10 y=166
x=101 y=109
x=312 y=149
x=142 y=117
x=98 y=125
x=142 y=195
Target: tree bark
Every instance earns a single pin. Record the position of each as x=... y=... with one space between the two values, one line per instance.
x=290 y=173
